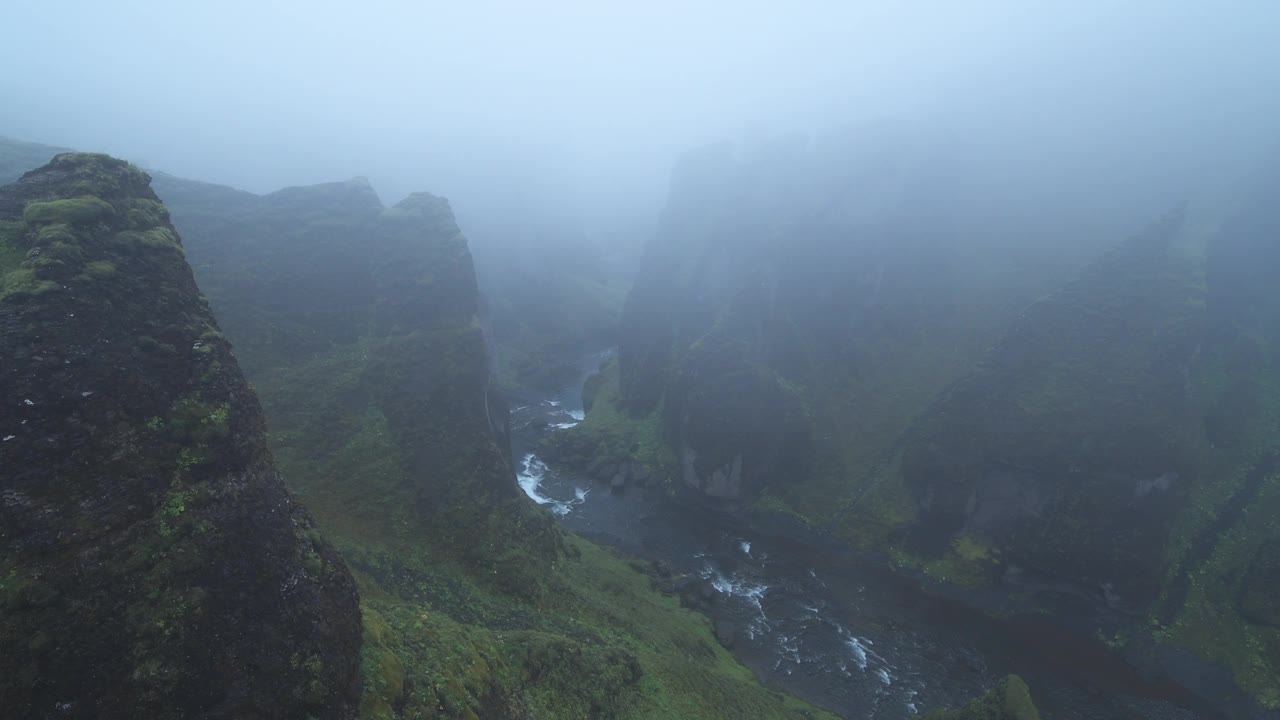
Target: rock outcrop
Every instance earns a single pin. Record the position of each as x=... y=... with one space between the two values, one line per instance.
x=152 y=563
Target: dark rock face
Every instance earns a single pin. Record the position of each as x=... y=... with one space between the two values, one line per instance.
x=1071 y=448
x=153 y=564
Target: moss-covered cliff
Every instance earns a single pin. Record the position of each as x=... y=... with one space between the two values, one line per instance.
x=357 y=324
x=1071 y=450
x=152 y=563
x=796 y=311
x=1104 y=454
x=1122 y=438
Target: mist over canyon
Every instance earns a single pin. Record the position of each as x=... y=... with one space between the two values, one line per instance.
x=710 y=360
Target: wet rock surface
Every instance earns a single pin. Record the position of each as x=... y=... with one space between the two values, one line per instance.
x=153 y=564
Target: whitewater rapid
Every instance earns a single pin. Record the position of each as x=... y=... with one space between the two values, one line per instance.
x=530 y=476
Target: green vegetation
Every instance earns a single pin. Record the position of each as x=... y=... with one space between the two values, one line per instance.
x=24 y=282
x=610 y=435
x=72 y=211
x=12 y=250
x=154 y=238
x=99 y=269
x=604 y=644
x=968 y=562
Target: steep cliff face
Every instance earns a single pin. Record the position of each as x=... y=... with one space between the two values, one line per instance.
x=796 y=310
x=152 y=562
x=1071 y=450
x=1120 y=440
x=1218 y=598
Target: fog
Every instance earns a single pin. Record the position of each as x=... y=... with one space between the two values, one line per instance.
x=575 y=111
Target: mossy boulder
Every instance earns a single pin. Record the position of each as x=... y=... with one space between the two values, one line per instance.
x=153 y=564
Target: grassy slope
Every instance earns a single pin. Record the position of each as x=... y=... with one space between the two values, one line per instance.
x=590 y=638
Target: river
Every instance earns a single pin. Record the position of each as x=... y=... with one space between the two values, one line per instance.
x=849 y=636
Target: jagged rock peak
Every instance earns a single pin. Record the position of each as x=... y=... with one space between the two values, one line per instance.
x=151 y=562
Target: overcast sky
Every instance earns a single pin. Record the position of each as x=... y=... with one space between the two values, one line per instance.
x=508 y=105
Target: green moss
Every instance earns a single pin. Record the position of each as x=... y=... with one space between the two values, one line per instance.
x=149 y=344
x=25 y=282
x=99 y=269
x=161 y=238
x=968 y=562
x=14 y=585
x=383 y=672
x=175 y=504
x=1211 y=623
x=56 y=233
x=616 y=435
x=1215 y=598
x=142 y=213
x=72 y=211
x=771 y=504
x=971 y=550
x=198 y=422
x=12 y=250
